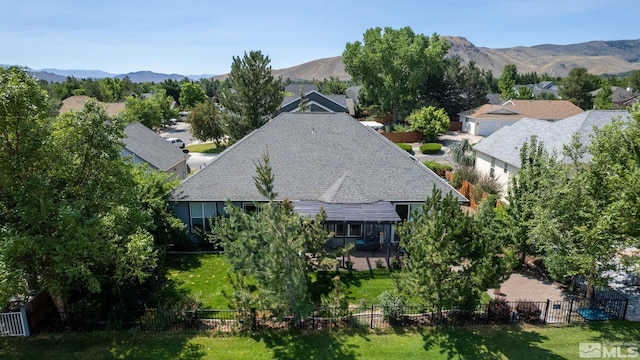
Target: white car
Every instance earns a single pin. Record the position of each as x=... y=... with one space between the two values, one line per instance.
x=177 y=142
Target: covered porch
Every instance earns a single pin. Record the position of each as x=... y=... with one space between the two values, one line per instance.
x=369 y=226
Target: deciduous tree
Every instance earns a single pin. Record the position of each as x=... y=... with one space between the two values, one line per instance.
x=76 y=225
x=430 y=121
x=394 y=66
x=507 y=82
x=191 y=94
x=206 y=122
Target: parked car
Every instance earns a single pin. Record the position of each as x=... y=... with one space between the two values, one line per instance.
x=177 y=142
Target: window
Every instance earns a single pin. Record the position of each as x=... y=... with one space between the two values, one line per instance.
x=492 y=172
x=352 y=230
x=200 y=213
x=505 y=167
x=249 y=208
x=403 y=211
x=406 y=211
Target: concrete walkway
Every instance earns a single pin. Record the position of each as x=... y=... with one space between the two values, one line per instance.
x=526 y=287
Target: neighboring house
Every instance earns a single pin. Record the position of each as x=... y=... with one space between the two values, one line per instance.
x=487 y=119
x=621 y=97
x=77 y=102
x=295 y=88
x=498 y=155
x=364 y=182
x=316 y=102
x=353 y=92
x=545 y=87
x=144 y=145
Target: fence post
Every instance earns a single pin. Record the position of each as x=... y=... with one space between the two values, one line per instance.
x=624 y=311
x=254 y=321
x=570 y=311
x=25 y=323
x=195 y=313
x=546 y=311
x=372 y=316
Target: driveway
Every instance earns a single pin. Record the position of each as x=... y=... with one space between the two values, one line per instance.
x=447 y=140
x=181 y=131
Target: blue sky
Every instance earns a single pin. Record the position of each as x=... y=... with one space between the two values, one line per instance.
x=198 y=36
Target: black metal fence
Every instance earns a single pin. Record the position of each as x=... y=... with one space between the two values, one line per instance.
x=496 y=312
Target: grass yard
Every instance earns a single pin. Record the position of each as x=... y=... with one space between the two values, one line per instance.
x=207 y=148
x=505 y=342
x=205 y=277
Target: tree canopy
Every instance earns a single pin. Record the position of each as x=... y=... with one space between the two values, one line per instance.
x=206 y=122
x=149 y=112
x=577 y=87
x=449 y=259
x=430 y=121
x=396 y=66
x=76 y=217
x=507 y=82
x=191 y=94
x=267 y=251
x=252 y=95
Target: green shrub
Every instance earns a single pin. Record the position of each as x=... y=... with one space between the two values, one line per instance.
x=438 y=168
x=392 y=304
x=464 y=173
x=430 y=148
x=405 y=147
x=398 y=127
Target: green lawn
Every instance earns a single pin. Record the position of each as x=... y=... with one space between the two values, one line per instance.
x=208 y=148
x=505 y=342
x=201 y=276
x=205 y=277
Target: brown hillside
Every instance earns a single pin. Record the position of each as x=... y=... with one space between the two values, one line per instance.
x=598 y=57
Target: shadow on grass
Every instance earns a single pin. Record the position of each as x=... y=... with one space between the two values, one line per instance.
x=103 y=345
x=487 y=343
x=168 y=291
x=310 y=345
x=323 y=284
x=615 y=331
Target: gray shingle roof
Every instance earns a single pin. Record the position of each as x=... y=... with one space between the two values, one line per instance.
x=147 y=146
x=327 y=157
x=505 y=143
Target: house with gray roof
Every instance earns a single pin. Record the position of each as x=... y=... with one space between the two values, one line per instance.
x=143 y=145
x=498 y=155
x=363 y=181
x=316 y=102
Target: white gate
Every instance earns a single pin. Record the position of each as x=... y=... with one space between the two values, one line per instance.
x=14 y=324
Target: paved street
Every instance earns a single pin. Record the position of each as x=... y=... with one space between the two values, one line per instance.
x=181 y=131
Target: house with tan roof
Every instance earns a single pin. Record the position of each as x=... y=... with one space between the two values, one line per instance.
x=77 y=102
x=487 y=119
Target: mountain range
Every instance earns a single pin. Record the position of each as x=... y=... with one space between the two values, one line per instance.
x=598 y=57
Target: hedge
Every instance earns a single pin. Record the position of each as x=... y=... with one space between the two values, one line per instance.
x=405 y=147
x=438 y=168
x=430 y=148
